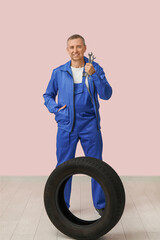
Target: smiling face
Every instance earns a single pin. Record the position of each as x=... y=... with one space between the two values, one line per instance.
x=76 y=49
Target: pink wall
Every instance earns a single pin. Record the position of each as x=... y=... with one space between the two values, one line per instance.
x=124 y=35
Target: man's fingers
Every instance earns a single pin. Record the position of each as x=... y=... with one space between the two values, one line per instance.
x=64 y=106
x=61 y=108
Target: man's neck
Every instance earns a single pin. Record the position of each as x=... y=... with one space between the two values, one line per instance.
x=78 y=64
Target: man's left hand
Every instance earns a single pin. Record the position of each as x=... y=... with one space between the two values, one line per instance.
x=89 y=68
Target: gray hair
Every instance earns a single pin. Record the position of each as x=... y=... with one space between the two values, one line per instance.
x=76 y=36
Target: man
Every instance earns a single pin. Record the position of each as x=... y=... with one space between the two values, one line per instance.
x=77 y=110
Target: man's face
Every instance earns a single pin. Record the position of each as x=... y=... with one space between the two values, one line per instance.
x=76 y=49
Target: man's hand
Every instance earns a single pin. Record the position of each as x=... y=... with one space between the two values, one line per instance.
x=61 y=108
x=89 y=68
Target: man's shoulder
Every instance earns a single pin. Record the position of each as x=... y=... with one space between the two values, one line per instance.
x=96 y=65
x=61 y=67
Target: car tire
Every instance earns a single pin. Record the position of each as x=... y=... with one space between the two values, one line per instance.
x=60 y=215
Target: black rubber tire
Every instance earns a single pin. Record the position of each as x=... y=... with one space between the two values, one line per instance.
x=58 y=212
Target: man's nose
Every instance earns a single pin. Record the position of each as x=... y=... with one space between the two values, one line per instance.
x=75 y=49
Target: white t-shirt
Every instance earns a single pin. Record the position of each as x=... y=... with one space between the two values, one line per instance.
x=77 y=76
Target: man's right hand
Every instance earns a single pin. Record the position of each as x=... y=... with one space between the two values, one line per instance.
x=62 y=108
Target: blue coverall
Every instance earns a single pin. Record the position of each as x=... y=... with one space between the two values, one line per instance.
x=84 y=129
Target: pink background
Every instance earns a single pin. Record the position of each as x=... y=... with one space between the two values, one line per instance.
x=124 y=35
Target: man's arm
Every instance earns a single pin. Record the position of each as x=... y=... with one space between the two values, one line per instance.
x=98 y=76
x=50 y=94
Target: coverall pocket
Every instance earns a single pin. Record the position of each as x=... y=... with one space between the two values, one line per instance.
x=62 y=116
x=78 y=88
x=88 y=115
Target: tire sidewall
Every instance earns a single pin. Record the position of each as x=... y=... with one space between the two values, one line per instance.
x=54 y=211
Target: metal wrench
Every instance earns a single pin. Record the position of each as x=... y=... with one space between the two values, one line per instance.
x=91 y=59
x=90 y=55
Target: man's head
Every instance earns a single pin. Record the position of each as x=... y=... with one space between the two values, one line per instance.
x=76 y=47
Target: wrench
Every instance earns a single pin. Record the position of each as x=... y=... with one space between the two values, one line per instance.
x=90 y=60
x=93 y=57
x=90 y=55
